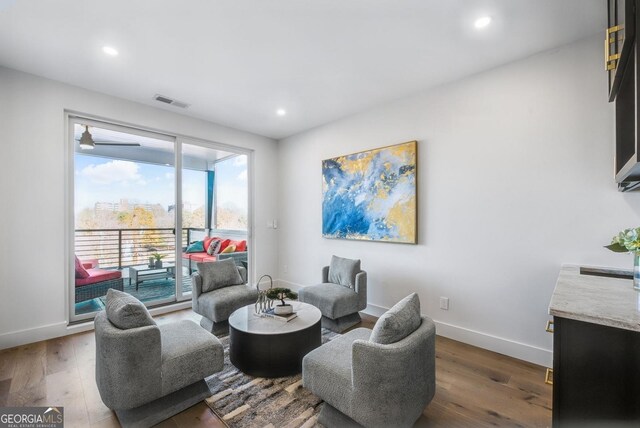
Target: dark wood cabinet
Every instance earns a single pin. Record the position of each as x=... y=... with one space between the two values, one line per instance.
x=623 y=68
x=596 y=375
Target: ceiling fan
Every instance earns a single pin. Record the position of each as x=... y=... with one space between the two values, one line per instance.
x=87 y=142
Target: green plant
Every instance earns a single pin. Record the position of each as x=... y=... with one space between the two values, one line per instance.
x=627 y=241
x=281 y=294
x=158 y=256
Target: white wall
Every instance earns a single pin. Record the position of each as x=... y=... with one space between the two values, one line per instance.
x=515 y=178
x=33 y=286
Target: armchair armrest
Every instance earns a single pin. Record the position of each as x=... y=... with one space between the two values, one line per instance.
x=361 y=289
x=196 y=290
x=325 y=274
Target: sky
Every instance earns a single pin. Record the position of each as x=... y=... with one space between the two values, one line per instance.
x=100 y=179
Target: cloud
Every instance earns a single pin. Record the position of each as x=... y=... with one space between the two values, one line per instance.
x=240 y=160
x=169 y=175
x=116 y=171
x=243 y=175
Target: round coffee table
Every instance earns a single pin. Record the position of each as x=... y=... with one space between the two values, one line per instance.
x=268 y=347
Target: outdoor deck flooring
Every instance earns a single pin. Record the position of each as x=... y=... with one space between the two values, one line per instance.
x=148 y=291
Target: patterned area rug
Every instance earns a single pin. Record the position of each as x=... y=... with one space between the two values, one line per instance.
x=243 y=401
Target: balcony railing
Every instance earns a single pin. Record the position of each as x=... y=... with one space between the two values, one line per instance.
x=118 y=248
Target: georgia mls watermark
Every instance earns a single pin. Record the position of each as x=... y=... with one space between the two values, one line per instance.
x=31 y=417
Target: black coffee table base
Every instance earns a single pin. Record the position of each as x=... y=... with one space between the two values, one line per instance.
x=272 y=355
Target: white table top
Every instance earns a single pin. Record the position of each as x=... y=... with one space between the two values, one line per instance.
x=599 y=300
x=245 y=319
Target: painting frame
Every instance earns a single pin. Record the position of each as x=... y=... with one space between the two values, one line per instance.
x=372 y=195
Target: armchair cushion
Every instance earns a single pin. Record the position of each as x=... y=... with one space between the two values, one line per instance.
x=125 y=311
x=333 y=300
x=218 y=304
x=219 y=274
x=189 y=353
x=398 y=322
x=343 y=271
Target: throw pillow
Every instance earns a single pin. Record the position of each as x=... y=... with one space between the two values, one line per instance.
x=214 y=247
x=224 y=244
x=196 y=247
x=230 y=249
x=125 y=311
x=219 y=274
x=207 y=241
x=343 y=271
x=81 y=272
x=240 y=245
x=398 y=322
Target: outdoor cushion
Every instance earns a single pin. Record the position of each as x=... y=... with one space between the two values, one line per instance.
x=343 y=271
x=224 y=244
x=214 y=247
x=219 y=274
x=98 y=275
x=199 y=257
x=81 y=272
x=333 y=300
x=398 y=322
x=240 y=245
x=195 y=247
x=125 y=311
x=230 y=249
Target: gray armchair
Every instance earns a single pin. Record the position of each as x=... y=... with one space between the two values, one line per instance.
x=218 y=289
x=138 y=361
x=342 y=293
x=378 y=378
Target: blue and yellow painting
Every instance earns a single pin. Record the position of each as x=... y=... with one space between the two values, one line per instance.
x=371 y=195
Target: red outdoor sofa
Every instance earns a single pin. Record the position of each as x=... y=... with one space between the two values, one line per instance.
x=92 y=282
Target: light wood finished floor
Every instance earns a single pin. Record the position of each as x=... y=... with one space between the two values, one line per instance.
x=474 y=387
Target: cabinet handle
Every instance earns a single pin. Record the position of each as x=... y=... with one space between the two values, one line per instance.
x=548 y=377
x=610 y=60
x=549 y=327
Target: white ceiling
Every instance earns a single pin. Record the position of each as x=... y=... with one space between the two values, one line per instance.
x=237 y=62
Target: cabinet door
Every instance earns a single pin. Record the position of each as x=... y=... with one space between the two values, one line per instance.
x=619 y=39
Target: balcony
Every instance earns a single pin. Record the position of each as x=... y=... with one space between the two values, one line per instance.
x=129 y=251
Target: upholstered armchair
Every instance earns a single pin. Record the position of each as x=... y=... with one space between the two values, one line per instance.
x=139 y=362
x=218 y=289
x=342 y=293
x=378 y=378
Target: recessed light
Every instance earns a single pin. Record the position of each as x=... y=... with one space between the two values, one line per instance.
x=281 y=112
x=110 y=51
x=482 y=22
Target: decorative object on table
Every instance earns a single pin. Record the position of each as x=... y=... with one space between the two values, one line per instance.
x=281 y=294
x=158 y=260
x=280 y=317
x=628 y=241
x=152 y=262
x=263 y=304
x=371 y=195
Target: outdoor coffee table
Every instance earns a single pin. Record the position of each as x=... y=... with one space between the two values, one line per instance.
x=267 y=347
x=140 y=273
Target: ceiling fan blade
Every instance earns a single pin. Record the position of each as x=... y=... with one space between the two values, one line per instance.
x=118 y=144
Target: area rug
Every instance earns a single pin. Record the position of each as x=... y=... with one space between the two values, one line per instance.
x=244 y=401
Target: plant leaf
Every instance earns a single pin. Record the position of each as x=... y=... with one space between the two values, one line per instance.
x=616 y=248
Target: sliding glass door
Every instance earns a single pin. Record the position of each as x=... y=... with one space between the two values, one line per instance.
x=140 y=199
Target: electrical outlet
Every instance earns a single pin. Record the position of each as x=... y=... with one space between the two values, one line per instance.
x=285 y=268
x=444 y=303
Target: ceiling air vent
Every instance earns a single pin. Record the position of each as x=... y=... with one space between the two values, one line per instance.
x=170 y=101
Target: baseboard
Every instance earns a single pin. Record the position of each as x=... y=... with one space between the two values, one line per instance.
x=51 y=331
x=521 y=351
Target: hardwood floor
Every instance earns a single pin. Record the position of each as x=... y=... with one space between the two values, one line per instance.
x=474 y=387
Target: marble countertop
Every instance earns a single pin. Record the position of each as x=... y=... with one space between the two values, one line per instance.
x=596 y=299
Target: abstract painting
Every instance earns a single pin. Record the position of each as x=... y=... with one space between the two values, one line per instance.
x=371 y=195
